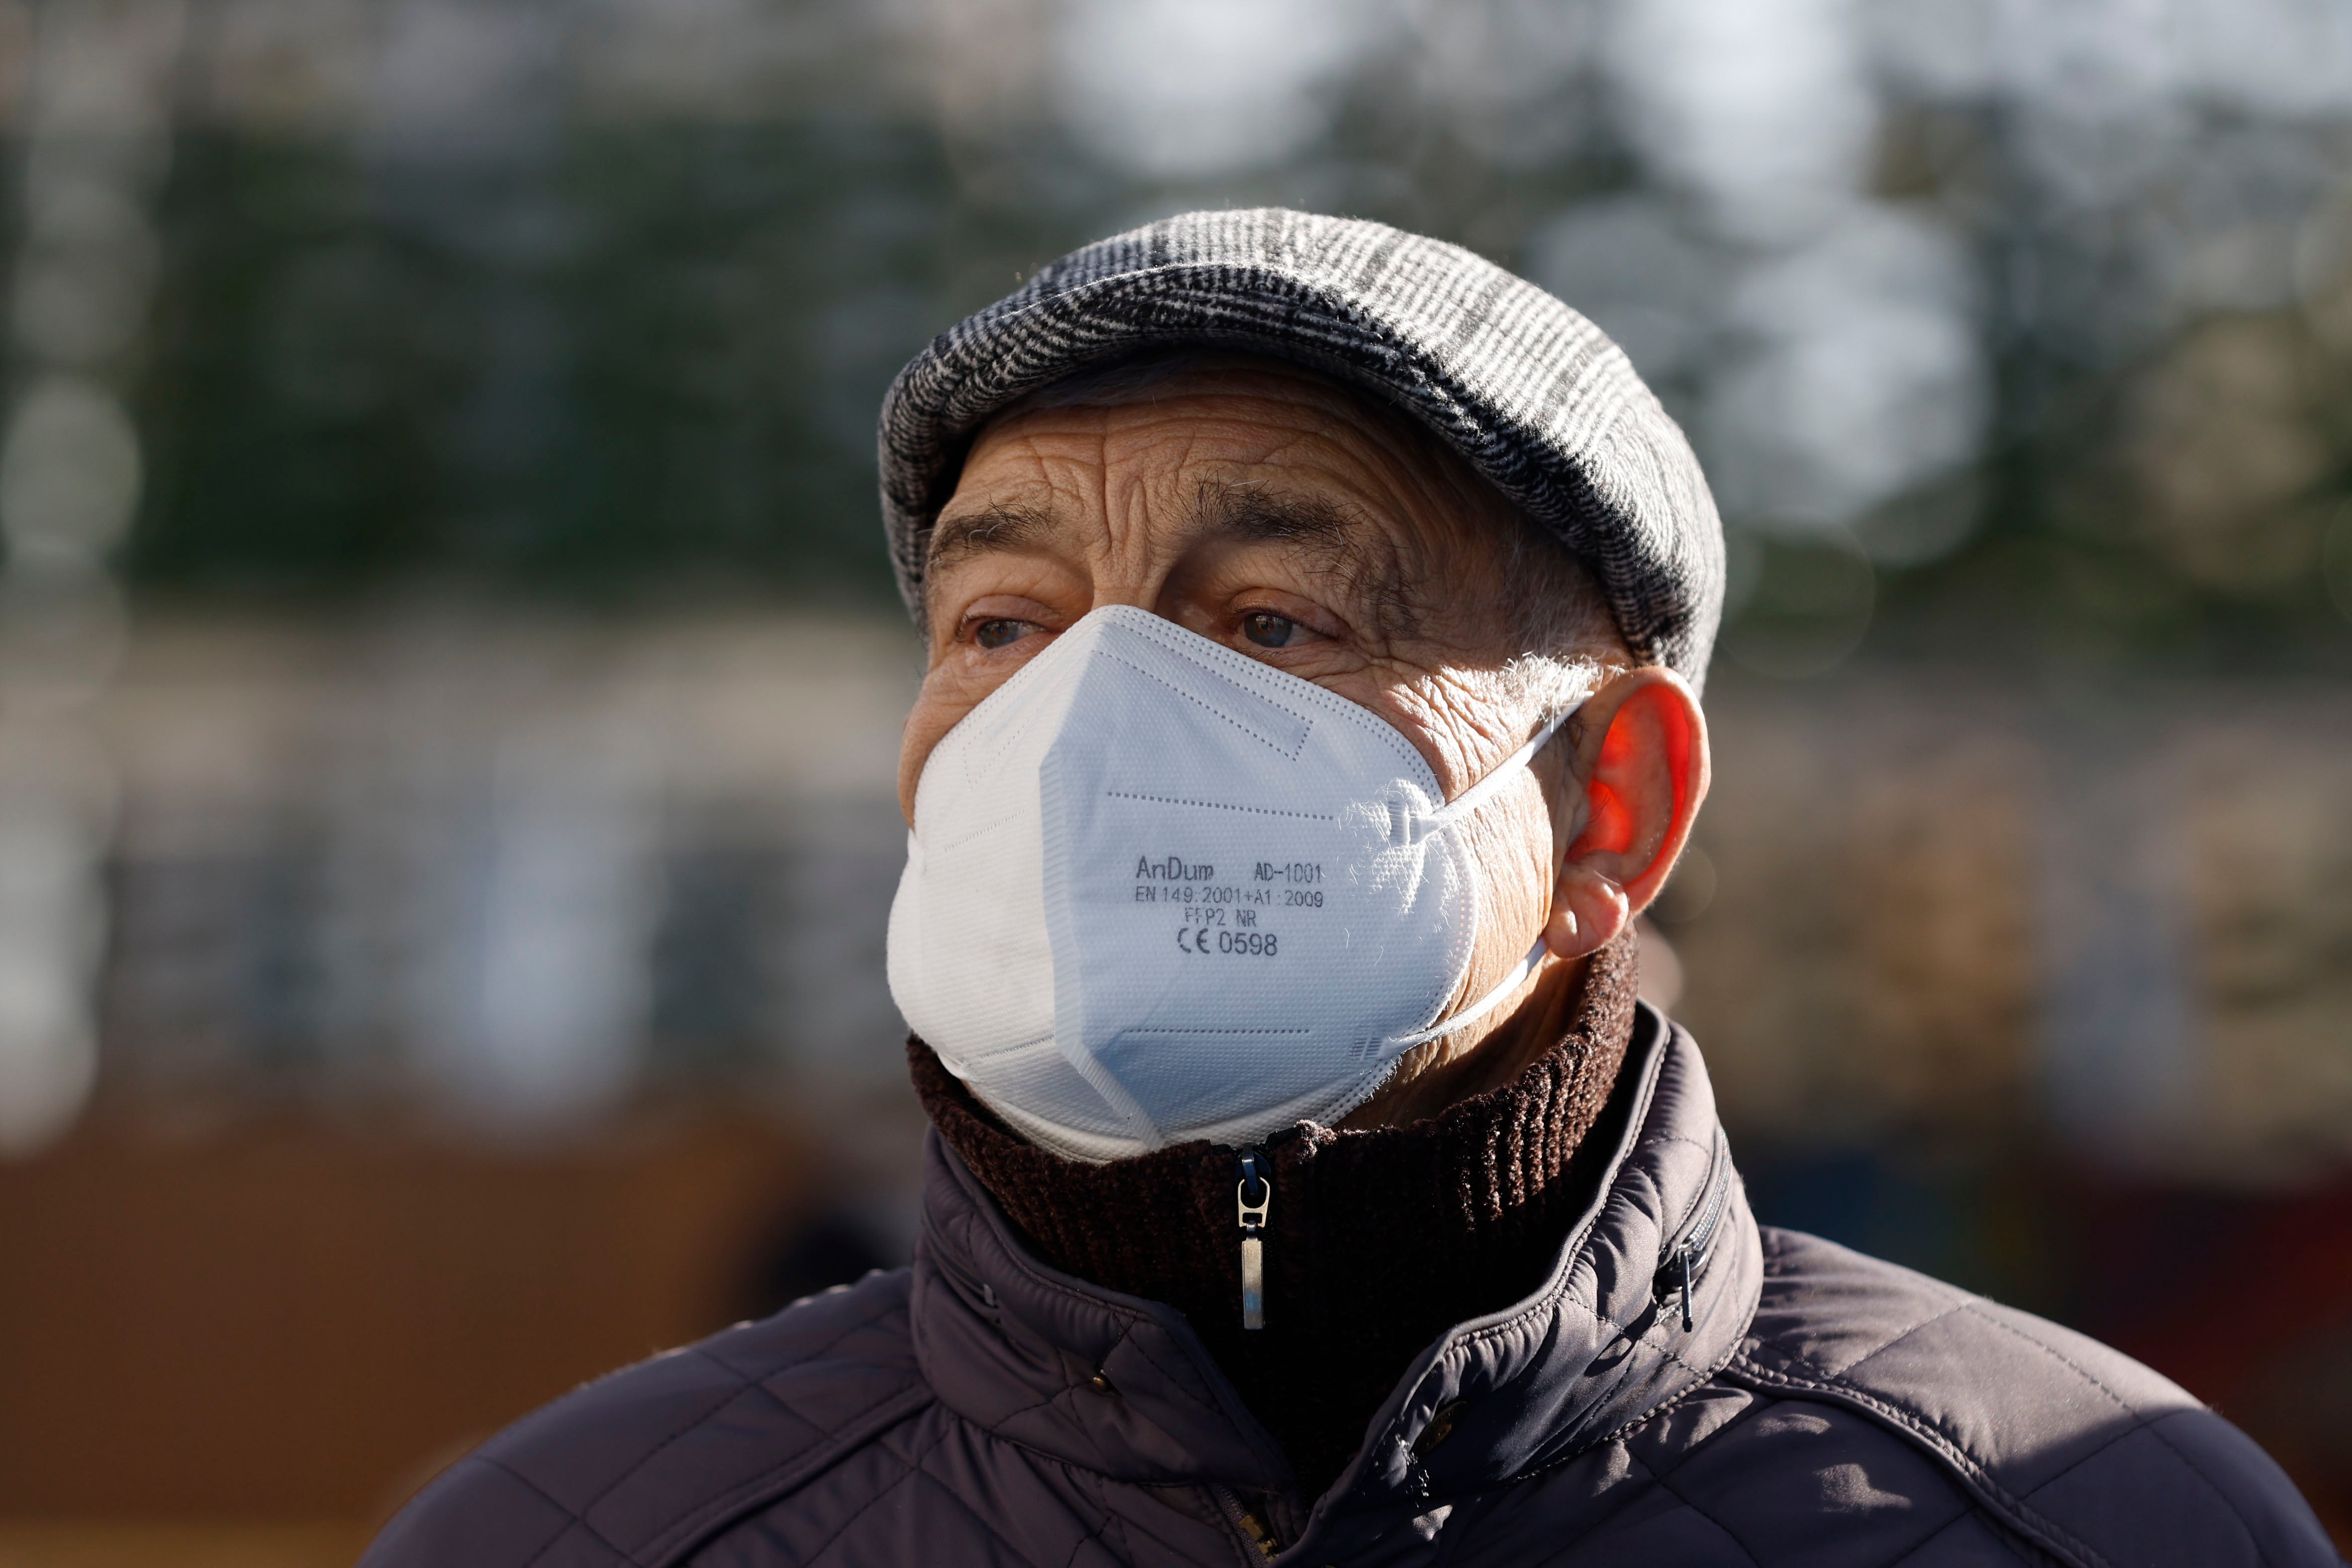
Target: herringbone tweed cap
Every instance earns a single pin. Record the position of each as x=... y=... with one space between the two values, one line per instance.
x=1534 y=395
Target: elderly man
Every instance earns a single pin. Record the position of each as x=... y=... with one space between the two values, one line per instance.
x=1317 y=616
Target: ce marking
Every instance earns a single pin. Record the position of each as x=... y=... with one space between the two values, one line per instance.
x=1200 y=944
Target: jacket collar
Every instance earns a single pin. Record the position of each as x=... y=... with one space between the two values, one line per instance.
x=1122 y=1386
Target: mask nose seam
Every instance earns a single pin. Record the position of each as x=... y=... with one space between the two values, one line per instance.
x=1246 y=672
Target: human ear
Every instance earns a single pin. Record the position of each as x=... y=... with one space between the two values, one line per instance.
x=1639 y=774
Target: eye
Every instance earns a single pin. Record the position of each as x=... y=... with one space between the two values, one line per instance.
x=1268 y=630
x=1000 y=633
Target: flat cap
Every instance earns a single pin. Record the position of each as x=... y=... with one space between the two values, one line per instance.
x=1536 y=397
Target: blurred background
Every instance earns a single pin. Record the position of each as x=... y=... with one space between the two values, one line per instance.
x=449 y=677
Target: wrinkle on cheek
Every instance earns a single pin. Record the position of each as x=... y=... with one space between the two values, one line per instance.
x=944 y=698
x=947 y=694
x=1512 y=841
x=1465 y=722
x=917 y=741
x=1407 y=707
x=1461 y=722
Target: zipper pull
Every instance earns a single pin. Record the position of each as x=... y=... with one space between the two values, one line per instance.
x=1254 y=1194
x=1678 y=1275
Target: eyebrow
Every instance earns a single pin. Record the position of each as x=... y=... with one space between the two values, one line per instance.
x=1358 y=555
x=991 y=529
x=1245 y=511
x=1346 y=548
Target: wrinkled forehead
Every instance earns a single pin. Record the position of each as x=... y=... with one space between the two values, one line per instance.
x=1399 y=534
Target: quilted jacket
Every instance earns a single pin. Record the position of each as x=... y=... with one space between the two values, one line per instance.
x=1688 y=1388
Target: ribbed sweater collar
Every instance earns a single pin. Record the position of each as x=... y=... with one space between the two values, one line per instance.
x=1378 y=1241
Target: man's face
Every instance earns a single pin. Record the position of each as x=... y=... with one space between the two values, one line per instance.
x=1258 y=506
x=1267 y=510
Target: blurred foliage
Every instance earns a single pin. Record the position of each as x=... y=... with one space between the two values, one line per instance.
x=641 y=351
x=660 y=354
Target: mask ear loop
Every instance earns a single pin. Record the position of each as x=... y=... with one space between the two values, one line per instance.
x=1484 y=790
x=1483 y=1006
x=1461 y=805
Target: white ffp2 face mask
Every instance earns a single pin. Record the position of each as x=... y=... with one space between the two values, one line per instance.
x=1158 y=891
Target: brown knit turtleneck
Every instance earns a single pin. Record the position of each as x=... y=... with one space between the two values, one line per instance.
x=1378 y=1241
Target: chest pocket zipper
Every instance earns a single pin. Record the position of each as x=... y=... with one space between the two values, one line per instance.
x=1249 y=1525
x=1676 y=1276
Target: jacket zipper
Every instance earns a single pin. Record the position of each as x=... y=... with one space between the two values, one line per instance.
x=1254 y=1175
x=1252 y=1530
x=1682 y=1264
x=1253 y=1196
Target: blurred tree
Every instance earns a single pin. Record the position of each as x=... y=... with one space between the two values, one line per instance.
x=678 y=379
x=1979 y=362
